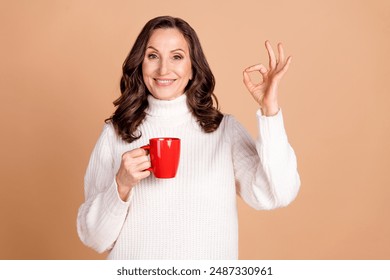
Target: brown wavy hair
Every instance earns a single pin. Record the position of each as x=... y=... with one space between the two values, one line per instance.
x=131 y=105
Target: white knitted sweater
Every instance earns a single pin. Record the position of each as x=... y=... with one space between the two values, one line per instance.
x=194 y=215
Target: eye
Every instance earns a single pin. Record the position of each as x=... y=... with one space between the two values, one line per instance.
x=152 y=56
x=177 y=57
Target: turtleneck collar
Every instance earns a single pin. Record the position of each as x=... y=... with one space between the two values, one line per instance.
x=167 y=108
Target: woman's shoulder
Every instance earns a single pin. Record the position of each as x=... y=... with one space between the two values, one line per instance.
x=229 y=125
x=108 y=129
x=229 y=121
x=108 y=132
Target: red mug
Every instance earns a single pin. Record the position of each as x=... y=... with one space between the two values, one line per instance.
x=164 y=156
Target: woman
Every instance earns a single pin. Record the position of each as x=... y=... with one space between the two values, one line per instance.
x=167 y=90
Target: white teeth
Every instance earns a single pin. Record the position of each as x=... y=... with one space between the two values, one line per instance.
x=164 y=81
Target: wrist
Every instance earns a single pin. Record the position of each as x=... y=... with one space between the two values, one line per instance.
x=123 y=190
x=269 y=111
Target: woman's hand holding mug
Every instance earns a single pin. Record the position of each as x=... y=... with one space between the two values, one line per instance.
x=133 y=169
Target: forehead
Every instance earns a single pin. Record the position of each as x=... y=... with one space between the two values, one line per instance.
x=167 y=39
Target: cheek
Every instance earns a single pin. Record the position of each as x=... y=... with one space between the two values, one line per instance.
x=186 y=71
x=147 y=69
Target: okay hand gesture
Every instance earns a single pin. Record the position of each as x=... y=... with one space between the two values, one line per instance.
x=266 y=92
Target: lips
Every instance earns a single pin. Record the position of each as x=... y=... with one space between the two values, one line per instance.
x=164 y=82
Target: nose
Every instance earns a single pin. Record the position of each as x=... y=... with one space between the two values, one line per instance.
x=163 y=67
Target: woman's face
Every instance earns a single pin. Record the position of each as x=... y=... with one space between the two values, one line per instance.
x=166 y=68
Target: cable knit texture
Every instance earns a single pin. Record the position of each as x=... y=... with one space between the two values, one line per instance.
x=194 y=215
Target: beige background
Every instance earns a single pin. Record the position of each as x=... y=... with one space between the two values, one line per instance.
x=60 y=64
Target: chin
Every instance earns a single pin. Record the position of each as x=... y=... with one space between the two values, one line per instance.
x=162 y=96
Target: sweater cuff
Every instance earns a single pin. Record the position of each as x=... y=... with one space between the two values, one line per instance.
x=114 y=204
x=271 y=128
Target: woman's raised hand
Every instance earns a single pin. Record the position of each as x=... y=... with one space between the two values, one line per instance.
x=266 y=92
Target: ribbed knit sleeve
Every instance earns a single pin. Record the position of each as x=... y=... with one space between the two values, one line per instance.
x=101 y=216
x=266 y=170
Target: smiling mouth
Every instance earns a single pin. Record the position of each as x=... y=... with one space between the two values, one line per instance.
x=164 y=82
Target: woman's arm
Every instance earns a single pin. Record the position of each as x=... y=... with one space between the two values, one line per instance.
x=266 y=170
x=102 y=215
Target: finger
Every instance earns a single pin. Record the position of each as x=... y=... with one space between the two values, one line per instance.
x=257 y=67
x=133 y=169
x=281 y=54
x=285 y=67
x=247 y=81
x=132 y=158
x=135 y=153
x=139 y=160
x=143 y=174
x=143 y=166
x=271 y=55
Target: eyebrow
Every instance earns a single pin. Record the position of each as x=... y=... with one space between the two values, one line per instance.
x=175 y=50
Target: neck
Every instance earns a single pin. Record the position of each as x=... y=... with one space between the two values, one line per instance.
x=167 y=108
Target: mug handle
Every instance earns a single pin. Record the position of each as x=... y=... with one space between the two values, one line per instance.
x=147 y=148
